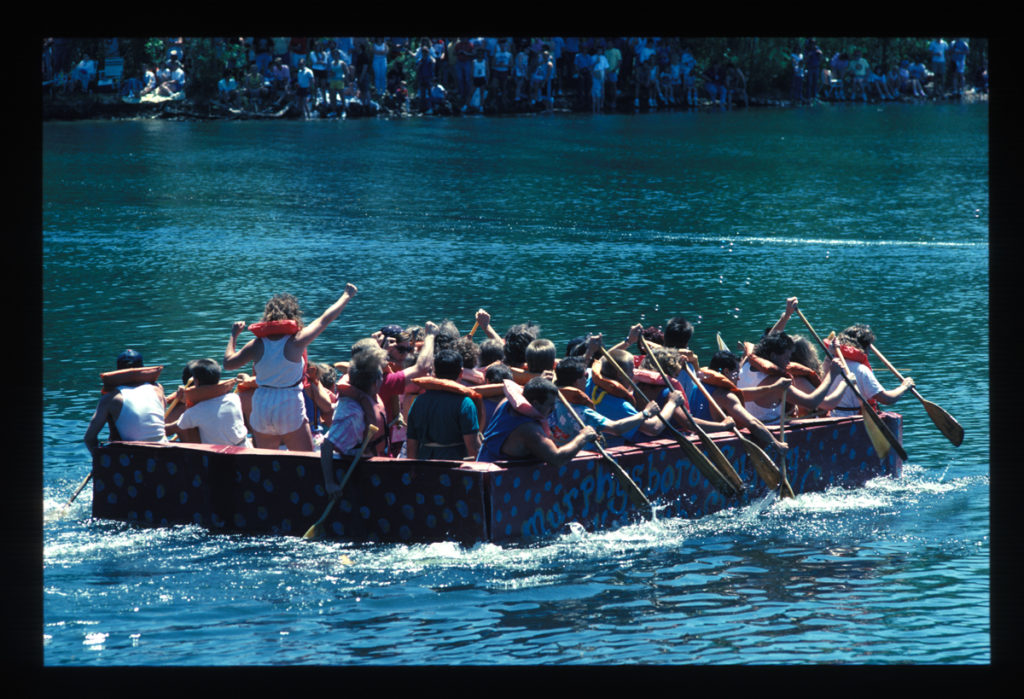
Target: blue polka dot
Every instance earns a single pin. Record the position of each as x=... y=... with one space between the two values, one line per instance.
x=445 y=480
x=408 y=512
x=462 y=508
x=364 y=512
x=406 y=478
x=389 y=498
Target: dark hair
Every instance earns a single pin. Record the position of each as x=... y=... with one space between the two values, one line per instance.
x=206 y=372
x=569 y=371
x=537 y=390
x=859 y=335
x=774 y=343
x=186 y=373
x=497 y=373
x=656 y=335
x=678 y=332
x=469 y=350
x=576 y=347
x=447 y=364
x=491 y=350
x=540 y=355
x=129 y=359
x=724 y=360
x=517 y=339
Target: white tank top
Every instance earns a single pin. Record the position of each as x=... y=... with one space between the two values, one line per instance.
x=274 y=370
x=142 y=415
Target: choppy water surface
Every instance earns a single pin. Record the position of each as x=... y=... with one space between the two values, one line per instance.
x=158 y=235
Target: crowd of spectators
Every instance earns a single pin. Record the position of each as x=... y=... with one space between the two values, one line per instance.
x=849 y=76
x=339 y=76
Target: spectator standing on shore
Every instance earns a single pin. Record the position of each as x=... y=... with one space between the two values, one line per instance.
x=812 y=65
x=85 y=71
x=304 y=85
x=796 y=90
x=714 y=83
x=380 y=68
x=263 y=48
x=501 y=67
x=689 y=67
x=319 y=61
x=476 y=100
x=520 y=71
x=540 y=83
x=958 y=56
x=362 y=68
x=464 y=54
x=440 y=53
x=425 y=74
x=613 y=55
x=337 y=76
x=598 y=69
x=938 y=49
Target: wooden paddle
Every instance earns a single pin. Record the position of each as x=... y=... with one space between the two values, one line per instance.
x=636 y=496
x=475 y=326
x=720 y=342
x=174 y=401
x=763 y=463
x=316 y=531
x=703 y=463
x=786 y=490
x=881 y=437
x=943 y=420
x=721 y=462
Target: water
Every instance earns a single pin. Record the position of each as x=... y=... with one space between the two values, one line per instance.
x=158 y=235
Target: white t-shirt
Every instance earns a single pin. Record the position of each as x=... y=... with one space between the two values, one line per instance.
x=868 y=385
x=219 y=420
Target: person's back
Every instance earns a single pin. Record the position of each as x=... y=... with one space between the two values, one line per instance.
x=443 y=422
x=219 y=417
x=142 y=416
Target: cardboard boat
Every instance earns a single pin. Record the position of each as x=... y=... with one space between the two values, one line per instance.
x=386 y=500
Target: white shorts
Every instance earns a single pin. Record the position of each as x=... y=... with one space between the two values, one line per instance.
x=277 y=411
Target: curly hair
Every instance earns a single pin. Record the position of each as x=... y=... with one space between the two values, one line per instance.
x=668 y=359
x=283 y=307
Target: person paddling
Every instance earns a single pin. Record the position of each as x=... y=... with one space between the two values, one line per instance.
x=132 y=404
x=278 y=354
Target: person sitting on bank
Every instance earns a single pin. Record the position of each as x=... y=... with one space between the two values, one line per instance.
x=278 y=354
x=853 y=345
x=132 y=404
x=359 y=405
x=443 y=421
x=216 y=410
x=521 y=431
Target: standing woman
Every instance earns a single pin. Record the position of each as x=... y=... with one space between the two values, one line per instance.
x=380 y=68
x=278 y=354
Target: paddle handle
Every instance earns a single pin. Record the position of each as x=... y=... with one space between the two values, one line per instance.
x=913 y=389
x=174 y=401
x=476 y=325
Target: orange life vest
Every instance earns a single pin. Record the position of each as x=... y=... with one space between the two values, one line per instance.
x=129 y=377
x=197 y=394
x=719 y=380
x=274 y=327
x=575 y=396
x=432 y=383
x=792 y=370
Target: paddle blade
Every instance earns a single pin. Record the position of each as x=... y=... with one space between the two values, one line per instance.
x=636 y=496
x=765 y=467
x=314 y=532
x=945 y=422
x=880 y=440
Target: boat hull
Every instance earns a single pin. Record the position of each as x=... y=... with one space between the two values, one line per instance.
x=259 y=491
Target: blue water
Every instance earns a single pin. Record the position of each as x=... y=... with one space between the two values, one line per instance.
x=160 y=234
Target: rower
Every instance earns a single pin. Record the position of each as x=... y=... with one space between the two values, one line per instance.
x=519 y=428
x=132 y=404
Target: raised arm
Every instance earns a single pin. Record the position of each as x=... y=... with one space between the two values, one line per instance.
x=234 y=359
x=483 y=320
x=425 y=359
x=313 y=330
x=780 y=324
